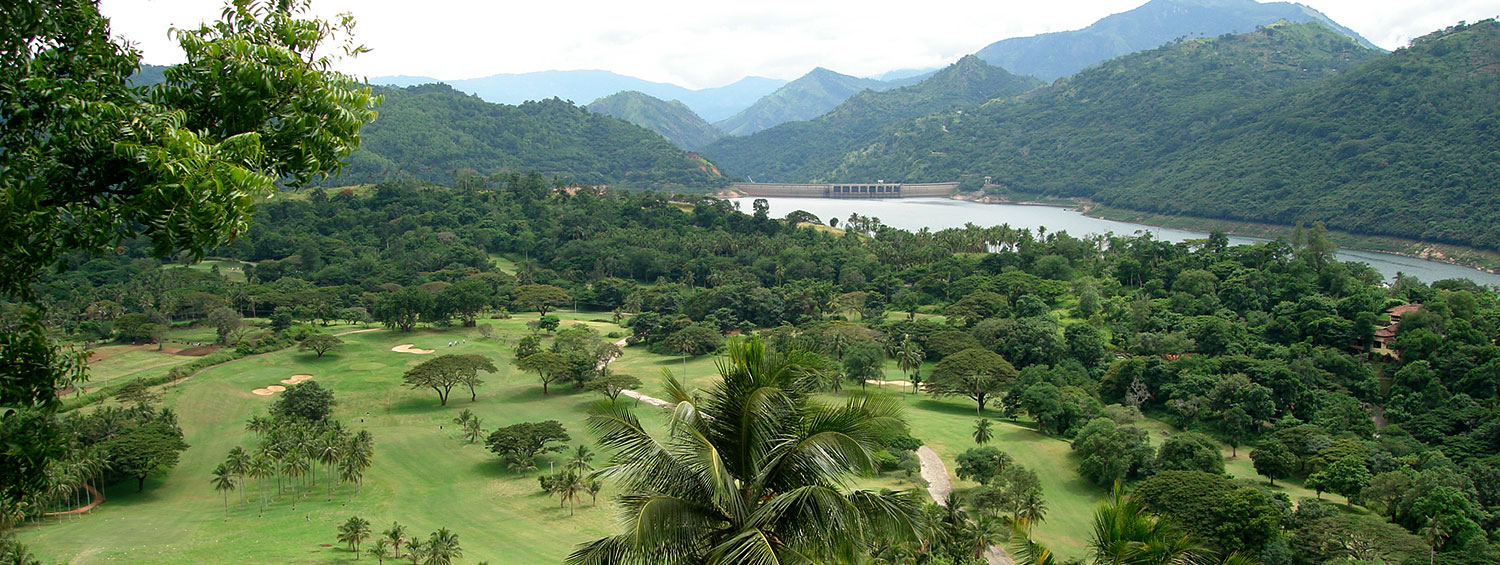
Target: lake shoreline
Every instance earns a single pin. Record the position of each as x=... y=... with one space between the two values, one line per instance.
x=1477 y=259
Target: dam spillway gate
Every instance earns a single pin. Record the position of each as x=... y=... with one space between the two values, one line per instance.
x=848 y=190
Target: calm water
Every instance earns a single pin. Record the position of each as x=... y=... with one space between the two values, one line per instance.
x=941 y=213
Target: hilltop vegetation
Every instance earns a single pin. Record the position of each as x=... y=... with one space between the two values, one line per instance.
x=434 y=133
x=673 y=120
x=804 y=150
x=1054 y=55
x=1407 y=145
x=805 y=98
x=1094 y=130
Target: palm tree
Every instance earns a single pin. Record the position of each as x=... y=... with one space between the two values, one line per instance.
x=1436 y=534
x=396 y=534
x=1024 y=550
x=442 y=548
x=239 y=465
x=1125 y=534
x=581 y=460
x=987 y=530
x=294 y=467
x=567 y=487
x=223 y=482
x=1032 y=508
x=415 y=551
x=381 y=550
x=755 y=472
x=472 y=430
x=593 y=486
x=982 y=433
x=464 y=417
x=261 y=467
x=354 y=531
x=909 y=358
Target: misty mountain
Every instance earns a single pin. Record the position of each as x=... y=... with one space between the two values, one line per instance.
x=1053 y=55
x=810 y=96
x=581 y=86
x=805 y=150
x=673 y=120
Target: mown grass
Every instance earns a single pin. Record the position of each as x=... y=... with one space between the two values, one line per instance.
x=426 y=476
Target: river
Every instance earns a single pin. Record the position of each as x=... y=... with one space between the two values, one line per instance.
x=942 y=213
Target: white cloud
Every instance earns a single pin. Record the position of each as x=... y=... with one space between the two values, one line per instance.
x=699 y=44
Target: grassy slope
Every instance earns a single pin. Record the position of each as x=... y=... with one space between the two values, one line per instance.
x=427 y=477
x=423 y=476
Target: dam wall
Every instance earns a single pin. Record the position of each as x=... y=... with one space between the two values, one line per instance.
x=847 y=189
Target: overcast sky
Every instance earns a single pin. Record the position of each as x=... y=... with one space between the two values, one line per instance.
x=710 y=43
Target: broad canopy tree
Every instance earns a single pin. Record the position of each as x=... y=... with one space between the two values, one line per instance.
x=444 y=372
x=975 y=373
x=539 y=297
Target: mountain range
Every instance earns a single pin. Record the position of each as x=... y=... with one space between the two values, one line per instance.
x=806 y=149
x=1050 y=56
x=585 y=86
x=805 y=98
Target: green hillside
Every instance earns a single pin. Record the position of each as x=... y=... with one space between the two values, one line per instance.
x=1408 y=146
x=431 y=132
x=804 y=150
x=805 y=98
x=673 y=120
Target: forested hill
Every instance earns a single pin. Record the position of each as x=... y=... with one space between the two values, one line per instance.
x=1109 y=125
x=806 y=150
x=1158 y=22
x=673 y=120
x=432 y=132
x=1408 y=145
x=805 y=98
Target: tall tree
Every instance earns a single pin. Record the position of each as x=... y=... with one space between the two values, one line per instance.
x=539 y=297
x=753 y=472
x=320 y=344
x=223 y=482
x=444 y=372
x=975 y=373
x=354 y=531
x=91 y=160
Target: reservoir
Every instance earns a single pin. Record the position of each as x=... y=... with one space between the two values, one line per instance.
x=942 y=213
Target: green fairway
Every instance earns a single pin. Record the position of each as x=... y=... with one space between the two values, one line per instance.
x=424 y=475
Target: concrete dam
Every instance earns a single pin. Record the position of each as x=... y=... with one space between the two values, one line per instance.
x=848 y=190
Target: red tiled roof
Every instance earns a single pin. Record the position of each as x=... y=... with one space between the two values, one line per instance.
x=1404 y=309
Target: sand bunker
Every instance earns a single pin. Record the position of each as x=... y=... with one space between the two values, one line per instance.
x=407 y=348
x=296 y=379
x=262 y=391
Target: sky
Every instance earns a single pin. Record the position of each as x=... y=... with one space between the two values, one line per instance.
x=710 y=43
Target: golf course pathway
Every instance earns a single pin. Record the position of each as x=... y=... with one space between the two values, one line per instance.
x=652 y=400
x=939 y=486
x=936 y=475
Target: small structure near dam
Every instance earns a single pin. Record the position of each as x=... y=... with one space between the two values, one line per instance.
x=848 y=189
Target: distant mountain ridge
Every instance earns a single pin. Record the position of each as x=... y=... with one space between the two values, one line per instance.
x=587 y=85
x=806 y=150
x=1053 y=55
x=672 y=119
x=437 y=134
x=810 y=96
